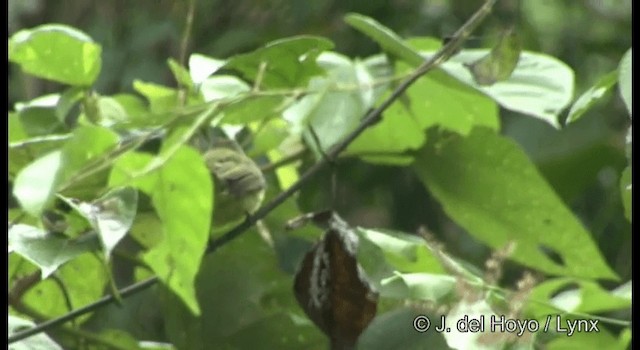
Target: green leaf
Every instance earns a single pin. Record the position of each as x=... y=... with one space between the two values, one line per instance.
x=181 y=74
x=603 y=339
x=287 y=63
x=246 y=107
x=241 y=291
x=40 y=116
x=57 y=52
x=111 y=215
x=332 y=112
x=541 y=86
x=624 y=80
x=573 y=296
x=84 y=150
x=181 y=191
x=38 y=341
x=385 y=37
x=436 y=99
x=500 y=63
x=591 y=96
x=418 y=286
x=269 y=136
x=35 y=184
x=201 y=67
x=394 y=330
x=45 y=250
x=83 y=280
x=404 y=252
x=625 y=192
x=161 y=98
x=487 y=185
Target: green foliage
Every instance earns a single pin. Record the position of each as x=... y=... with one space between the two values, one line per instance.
x=57 y=52
x=135 y=196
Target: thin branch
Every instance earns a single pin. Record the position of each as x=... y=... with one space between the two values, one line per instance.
x=184 y=46
x=370 y=119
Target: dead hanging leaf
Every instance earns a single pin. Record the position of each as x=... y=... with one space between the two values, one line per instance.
x=500 y=62
x=331 y=286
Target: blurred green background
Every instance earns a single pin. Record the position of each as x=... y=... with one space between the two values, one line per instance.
x=582 y=162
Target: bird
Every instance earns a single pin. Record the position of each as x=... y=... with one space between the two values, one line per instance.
x=239 y=186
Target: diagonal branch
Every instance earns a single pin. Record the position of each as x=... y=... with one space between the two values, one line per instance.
x=370 y=119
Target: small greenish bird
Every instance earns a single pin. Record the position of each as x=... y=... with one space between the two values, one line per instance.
x=239 y=187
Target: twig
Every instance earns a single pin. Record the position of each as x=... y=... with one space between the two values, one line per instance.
x=370 y=119
x=184 y=45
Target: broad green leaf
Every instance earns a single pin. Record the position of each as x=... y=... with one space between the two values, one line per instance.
x=625 y=192
x=286 y=63
x=57 y=52
x=435 y=100
x=337 y=106
x=181 y=74
x=602 y=339
x=223 y=87
x=243 y=107
x=385 y=37
x=35 y=185
x=488 y=186
x=241 y=290
x=418 y=286
x=133 y=106
x=572 y=295
x=277 y=331
x=111 y=215
x=67 y=101
x=37 y=342
x=395 y=330
x=83 y=280
x=269 y=136
x=119 y=339
x=541 y=86
x=405 y=253
x=110 y=112
x=181 y=191
x=45 y=250
x=624 y=80
x=497 y=65
x=39 y=116
x=162 y=98
x=591 y=96
x=83 y=153
x=253 y=108
x=201 y=67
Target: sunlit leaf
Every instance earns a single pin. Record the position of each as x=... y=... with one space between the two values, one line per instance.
x=385 y=37
x=488 y=186
x=111 y=215
x=181 y=191
x=35 y=185
x=201 y=67
x=541 y=86
x=624 y=80
x=57 y=52
x=591 y=96
x=289 y=62
x=46 y=250
x=435 y=100
x=499 y=64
